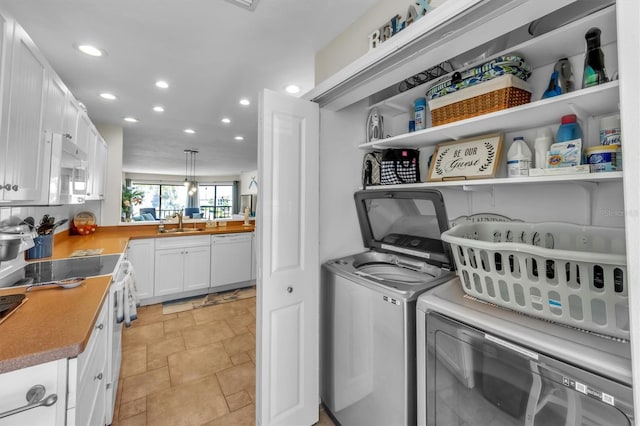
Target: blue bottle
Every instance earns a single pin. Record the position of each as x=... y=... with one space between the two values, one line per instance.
x=569 y=129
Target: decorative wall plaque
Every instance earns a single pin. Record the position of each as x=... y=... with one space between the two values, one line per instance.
x=473 y=158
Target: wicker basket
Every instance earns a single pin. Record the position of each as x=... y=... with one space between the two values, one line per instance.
x=500 y=93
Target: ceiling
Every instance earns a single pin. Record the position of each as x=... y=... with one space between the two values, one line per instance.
x=211 y=52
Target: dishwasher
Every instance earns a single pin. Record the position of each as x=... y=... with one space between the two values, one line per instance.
x=230 y=259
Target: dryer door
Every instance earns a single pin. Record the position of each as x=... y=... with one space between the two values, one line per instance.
x=476 y=378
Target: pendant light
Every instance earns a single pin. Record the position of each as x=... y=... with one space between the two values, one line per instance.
x=190 y=171
x=186 y=159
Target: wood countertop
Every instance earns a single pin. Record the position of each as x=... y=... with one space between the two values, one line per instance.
x=56 y=323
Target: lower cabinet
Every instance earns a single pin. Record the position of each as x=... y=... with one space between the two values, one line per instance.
x=181 y=264
x=141 y=254
x=41 y=383
x=63 y=392
x=86 y=404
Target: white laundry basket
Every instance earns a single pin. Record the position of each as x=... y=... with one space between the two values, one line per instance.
x=571 y=274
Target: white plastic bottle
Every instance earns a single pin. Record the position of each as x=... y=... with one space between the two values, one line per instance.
x=518 y=158
x=541 y=146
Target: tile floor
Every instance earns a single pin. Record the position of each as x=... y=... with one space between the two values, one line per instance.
x=190 y=368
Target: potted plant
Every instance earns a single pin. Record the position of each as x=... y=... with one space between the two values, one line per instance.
x=130 y=197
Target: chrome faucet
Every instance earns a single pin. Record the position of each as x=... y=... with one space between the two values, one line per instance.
x=179 y=216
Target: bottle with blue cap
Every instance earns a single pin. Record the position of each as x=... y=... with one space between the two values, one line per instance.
x=518 y=158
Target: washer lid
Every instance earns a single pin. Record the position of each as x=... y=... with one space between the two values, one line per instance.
x=405 y=221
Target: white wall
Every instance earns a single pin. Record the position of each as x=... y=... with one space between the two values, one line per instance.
x=245 y=182
x=354 y=41
x=113 y=136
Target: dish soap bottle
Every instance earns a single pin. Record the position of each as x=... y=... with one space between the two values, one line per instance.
x=594 y=72
x=541 y=147
x=518 y=158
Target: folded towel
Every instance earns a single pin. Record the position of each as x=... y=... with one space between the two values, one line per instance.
x=127 y=296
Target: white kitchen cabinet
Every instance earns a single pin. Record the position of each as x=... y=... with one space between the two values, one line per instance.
x=230 y=259
x=254 y=266
x=86 y=403
x=72 y=111
x=83 y=131
x=97 y=168
x=39 y=382
x=141 y=254
x=54 y=104
x=182 y=264
x=24 y=163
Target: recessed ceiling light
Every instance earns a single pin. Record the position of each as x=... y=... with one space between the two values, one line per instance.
x=226 y=120
x=158 y=108
x=190 y=131
x=162 y=84
x=109 y=96
x=244 y=102
x=292 y=88
x=90 y=50
x=239 y=138
x=131 y=119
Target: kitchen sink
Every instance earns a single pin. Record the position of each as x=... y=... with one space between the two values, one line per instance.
x=180 y=230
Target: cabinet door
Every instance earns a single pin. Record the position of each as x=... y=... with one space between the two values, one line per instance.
x=71 y=114
x=55 y=103
x=169 y=267
x=196 y=267
x=83 y=134
x=26 y=163
x=100 y=173
x=14 y=386
x=141 y=255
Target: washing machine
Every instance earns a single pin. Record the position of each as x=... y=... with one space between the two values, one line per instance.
x=480 y=364
x=368 y=307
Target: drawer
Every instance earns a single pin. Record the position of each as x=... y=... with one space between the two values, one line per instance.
x=182 y=242
x=92 y=384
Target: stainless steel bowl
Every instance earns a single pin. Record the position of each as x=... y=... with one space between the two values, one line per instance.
x=9 y=246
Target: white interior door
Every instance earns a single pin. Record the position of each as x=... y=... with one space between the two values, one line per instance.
x=288 y=263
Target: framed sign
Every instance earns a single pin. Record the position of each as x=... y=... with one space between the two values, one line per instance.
x=473 y=158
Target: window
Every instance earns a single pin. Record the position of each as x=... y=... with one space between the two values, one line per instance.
x=216 y=201
x=166 y=199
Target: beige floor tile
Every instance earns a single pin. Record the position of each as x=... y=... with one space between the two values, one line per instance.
x=134 y=361
x=132 y=408
x=135 y=387
x=193 y=364
x=239 y=324
x=179 y=323
x=252 y=311
x=158 y=352
x=242 y=343
x=252 y=355
x=193 y=403
x=324 y=419
x=238 y=378
x=245 y=416
x=139 y=420
x=143 y=334
x=206 y=333
x=212 y=313
x=238 y=400
x=240 y=358
x=150 y=314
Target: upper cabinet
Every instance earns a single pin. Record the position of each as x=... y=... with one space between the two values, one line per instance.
x=21 y=140
x=35 y=102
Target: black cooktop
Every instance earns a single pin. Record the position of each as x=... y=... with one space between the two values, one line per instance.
x=54 y=270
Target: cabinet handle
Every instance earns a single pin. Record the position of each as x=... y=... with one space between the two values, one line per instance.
x=7 y=187
x=98 y=377
x=289 y=289
x=35 y=399
x=15 y=188
x=68 y=136
x=100 y=326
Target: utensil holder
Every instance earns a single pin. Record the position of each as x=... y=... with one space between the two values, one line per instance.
x=43 y=247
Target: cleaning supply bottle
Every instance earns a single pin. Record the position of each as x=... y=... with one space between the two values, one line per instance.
x=569 y=129
x=518 y=158
x=594 y=71
x=541 y=145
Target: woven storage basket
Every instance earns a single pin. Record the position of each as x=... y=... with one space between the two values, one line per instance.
x=570 y=274
x=500 y=93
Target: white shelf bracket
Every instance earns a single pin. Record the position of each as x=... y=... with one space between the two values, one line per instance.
x=588 y=189
x=490 y=189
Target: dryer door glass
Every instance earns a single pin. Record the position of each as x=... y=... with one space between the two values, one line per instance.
x=477 y=379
